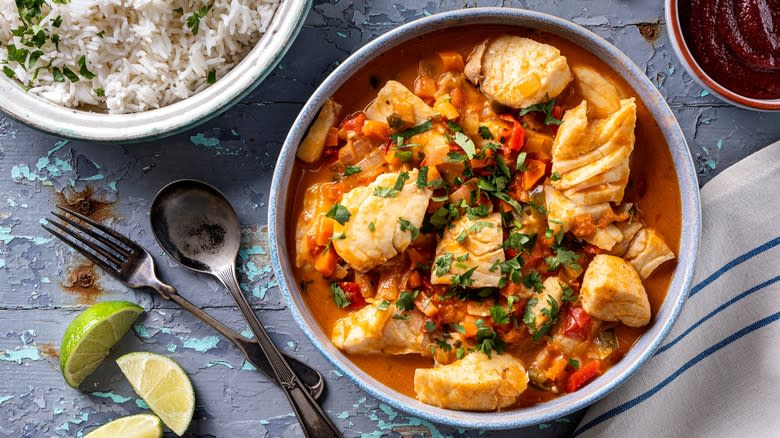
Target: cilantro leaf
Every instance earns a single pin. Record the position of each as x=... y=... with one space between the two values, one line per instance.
x=499 y=314
x=485 y=133
x=406 y=299
x=351 y=170
x=563 y=257
x=339 y=213
x=466 y=144
x=339 y=296
x=398 y=137
x=405 y=225
x=546 y=108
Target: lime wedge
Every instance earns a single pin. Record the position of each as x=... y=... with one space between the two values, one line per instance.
x=134 y=426
x=163 y=385
x=91 y=335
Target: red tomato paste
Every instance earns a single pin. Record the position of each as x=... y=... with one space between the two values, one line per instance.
x=737 y=42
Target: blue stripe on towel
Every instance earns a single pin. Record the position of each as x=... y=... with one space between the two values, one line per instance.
x=716 y=311
x=617 y=410
x=727 y=267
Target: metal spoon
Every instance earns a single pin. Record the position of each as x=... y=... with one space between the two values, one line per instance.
x=196 y=225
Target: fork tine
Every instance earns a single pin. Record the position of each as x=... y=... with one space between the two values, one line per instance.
x=111 y=269
x=116 y=235
x=111 y=257
x=94 y=234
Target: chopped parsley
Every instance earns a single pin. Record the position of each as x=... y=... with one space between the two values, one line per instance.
x=339 y=213
x=193 y=20
x=443 y=264
x=422 y=178
x=454 y=127
x=401 y=316
x=8 y=72
x=533 y=281
x=555 y=176
x=212 y=77
x=406 y=300
x=546 y=108
x=574 y=364
x=339 y=296
x=430 y=326
x=383 y=305
x=371 y=227
x=563 y=257
x=502 y=165
x=520 y=166
x=387 y=192
x=487 y=340
x=463 y=279
x=351 y=170
x=399 y=137
x=100 y=92
x=466 y=144
x=458 y=328
x=405 y=225
x=485 y=133
x=478 y=226
x=443 y=216
x=460 y=352
x=499 y=314
x=568 y=294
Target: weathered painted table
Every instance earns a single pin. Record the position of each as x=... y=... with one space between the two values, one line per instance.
x=43 y=284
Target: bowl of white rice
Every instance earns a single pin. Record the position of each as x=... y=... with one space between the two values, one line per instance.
x=131 y=70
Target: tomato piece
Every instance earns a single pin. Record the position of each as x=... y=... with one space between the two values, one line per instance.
x=576 y=323
x=516 y=136
x=535 y=170
x=354 y=123
x=583 y=376
x=352 y=291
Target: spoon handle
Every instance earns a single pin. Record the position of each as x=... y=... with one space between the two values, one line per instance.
x=314 y=422
x=251 y=350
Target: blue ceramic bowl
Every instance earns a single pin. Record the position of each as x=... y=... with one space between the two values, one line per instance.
x=279 y=222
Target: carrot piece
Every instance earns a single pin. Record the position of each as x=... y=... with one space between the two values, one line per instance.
x=517 y=135
x=452 y=61
x=583 y=376
x=433 y=173
x=375 y=129
x=535 y=171
x=470 y=329
x=557 y=368
x=326 y=263
x=425 y=87
x=415 y=280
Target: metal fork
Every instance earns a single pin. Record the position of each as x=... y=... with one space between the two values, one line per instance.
x=131 y=264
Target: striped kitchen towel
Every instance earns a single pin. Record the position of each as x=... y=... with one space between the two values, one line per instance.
x=717 y=374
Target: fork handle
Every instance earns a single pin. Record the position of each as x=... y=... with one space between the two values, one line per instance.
x=251 y=349
x=313 y=420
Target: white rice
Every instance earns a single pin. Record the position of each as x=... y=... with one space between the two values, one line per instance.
x=147 y=58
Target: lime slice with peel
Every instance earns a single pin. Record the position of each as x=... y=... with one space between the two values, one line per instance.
x=90 y=336
x=163 y=385
x=134 y=426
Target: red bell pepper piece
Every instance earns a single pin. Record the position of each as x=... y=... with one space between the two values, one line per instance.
x=576 y=323
x=352 y=291
x=517 y=135
x=583 y=376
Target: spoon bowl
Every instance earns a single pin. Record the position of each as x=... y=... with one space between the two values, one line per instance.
x=196 y=225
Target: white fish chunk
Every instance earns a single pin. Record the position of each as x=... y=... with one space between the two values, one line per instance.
x=314 y=208
x=542 y=304
x=371 y=330
x=364 y=249
x=395 y=98
x=612 y=291
x=470 y=244
x=593 y=155
x=475 y=383
x=601 y=94
x=647 y=252
x=518 y=72
x=561 y=211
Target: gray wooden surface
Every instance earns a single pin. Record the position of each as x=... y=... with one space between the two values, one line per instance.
x=236 y=152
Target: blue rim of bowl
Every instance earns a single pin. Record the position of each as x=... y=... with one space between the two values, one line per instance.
x=223 y=99
x=689 y=198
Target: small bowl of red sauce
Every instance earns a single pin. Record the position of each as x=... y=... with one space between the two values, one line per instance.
x=731 y=47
